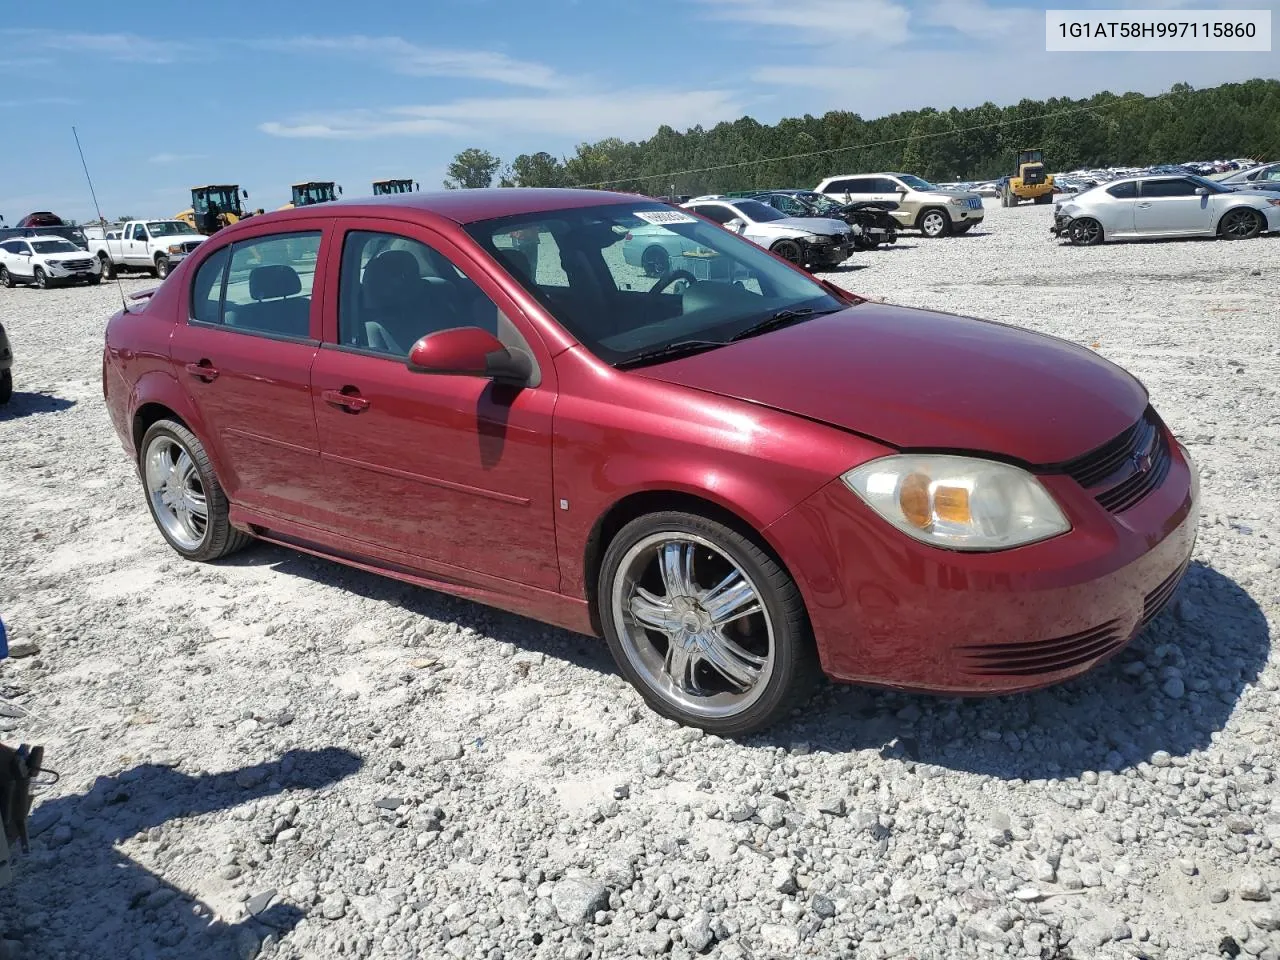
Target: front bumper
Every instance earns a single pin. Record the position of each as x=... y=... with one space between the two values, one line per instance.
x=82 y=271
x=890 y=611
x=1061 y=225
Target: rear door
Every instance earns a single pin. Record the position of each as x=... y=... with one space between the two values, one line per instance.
x=245 y=356
x=450 y=469
x=1169 y=206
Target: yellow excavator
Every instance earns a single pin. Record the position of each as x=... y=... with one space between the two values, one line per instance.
x=381 y=187
x=312 y=192
x=1031 y=182
x=214 y=206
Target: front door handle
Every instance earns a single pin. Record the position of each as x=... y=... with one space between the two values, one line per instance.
x=204 y=370
x=351 y=402
x=1143 y=206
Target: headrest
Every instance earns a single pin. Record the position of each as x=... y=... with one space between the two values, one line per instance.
x=273 y=280
x=392 y=266
x=516 y=262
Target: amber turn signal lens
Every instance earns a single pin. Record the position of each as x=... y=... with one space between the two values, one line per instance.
x=951 y=504
x=913 y=498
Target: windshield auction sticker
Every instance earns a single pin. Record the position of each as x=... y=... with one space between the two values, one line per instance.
x=662 y=217
x=1157 y=30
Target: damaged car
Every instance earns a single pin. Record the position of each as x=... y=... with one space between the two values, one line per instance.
x=816 y=243
x=871 y=219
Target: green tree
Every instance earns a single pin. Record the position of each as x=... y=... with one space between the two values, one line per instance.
x=471 y=169
x=537 y=170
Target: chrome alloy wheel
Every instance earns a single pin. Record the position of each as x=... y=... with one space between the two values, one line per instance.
x=693 y=624
x=176 y=492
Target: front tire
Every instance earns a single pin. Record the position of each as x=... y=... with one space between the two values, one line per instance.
x=162 y=267
x=935 y=223
x=1240 y=224
x=705 y=624
x=6 y=385
x=1085 y=232
x=789 y=251
x=42 y=279
x=183 y=494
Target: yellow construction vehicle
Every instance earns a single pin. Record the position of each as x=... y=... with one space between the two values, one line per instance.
x=381 y=187
x=312 y=192
x=1031 y=182
x=214 y=206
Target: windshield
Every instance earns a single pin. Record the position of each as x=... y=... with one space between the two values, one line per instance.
x=54 y=246
x=757 y=211
x=820 y=203
x=226 y=198
x=915 y=183
x=316 y=193
x=627 y=279
x=169 y=228
x=406 y=187
x=1213 y=185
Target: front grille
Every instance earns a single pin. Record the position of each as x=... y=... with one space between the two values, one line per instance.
x=1156 y=600
x=975 y=203
x=1124 y=470
x=190 y=245
x=77 y=264
x=1043 y=656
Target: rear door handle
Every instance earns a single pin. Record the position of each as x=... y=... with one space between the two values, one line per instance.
x=352 y=402
x=204 y=370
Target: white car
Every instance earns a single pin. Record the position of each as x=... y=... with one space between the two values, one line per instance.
x=814 y=242
x=1164 y=206
x=156 y=246
x=46 y=262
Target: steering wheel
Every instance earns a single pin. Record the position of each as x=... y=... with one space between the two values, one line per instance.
x=670 y=277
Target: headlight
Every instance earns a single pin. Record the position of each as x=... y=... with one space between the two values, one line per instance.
x=959 y=201
x=175 y=248
x=960 y=503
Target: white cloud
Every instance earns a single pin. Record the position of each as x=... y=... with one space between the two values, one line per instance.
x=629 y=114
x=120 y=47
x=821 y=22
x=40 y=102
x=415 y=60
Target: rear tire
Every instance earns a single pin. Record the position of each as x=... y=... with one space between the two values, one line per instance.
x=934 y=223
x=1240 y=224
x=1044 y=198
x=757 y=627
x=108 y=268
x=166 y=476
x=6 y=385
x=6 y=278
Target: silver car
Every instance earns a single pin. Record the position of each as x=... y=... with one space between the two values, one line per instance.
x=813 y=242
x=1164 y=206
x=1265 y=173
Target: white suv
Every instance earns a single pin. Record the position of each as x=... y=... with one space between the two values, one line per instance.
x=933 y=211
x=46 y=261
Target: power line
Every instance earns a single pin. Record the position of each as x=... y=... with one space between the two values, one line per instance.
x=883 y=143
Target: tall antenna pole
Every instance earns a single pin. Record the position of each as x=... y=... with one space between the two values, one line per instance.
x=101 y=220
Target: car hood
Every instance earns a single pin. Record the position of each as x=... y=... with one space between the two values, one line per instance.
x=61 y=257
x=791 y=226
x=948 y=194
x=915 y=379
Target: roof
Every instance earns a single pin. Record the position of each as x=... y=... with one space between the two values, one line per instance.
x=465 y=206
x=40 y=236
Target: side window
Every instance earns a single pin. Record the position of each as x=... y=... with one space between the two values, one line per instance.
x=884 y=185
x=206 y=290
x=395 y=290
x=717 y=213
x=1124 y=191
x=841 y=186
x=139 y=232
x=1168 y=188
x=268 y=284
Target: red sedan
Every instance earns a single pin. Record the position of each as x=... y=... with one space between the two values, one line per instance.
x=735 y=472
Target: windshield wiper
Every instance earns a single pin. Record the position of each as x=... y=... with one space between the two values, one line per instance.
x=680 y=348
x=775 y=320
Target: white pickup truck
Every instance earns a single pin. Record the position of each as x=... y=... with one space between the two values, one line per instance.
x=152 y=245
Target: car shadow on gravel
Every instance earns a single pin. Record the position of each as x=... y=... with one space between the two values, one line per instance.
x=78 y=893
x=1171 y=690
x=530 y=635
x=26 y=404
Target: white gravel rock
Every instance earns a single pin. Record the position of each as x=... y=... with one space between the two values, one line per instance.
x=543 y=812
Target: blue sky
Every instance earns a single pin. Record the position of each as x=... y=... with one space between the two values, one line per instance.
x=169 y=94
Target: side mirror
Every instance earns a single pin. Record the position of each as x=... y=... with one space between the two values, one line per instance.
x=469 y=352
x=735 y=225
x=339 y=191
x=246 y=194
x=1202 y=191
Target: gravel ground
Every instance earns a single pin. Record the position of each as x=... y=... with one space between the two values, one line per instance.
x=278 y=756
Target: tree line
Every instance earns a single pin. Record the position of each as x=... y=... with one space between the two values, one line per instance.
x=978 y=143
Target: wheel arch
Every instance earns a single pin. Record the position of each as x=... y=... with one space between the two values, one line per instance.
x=925 y=210
x=641 y=502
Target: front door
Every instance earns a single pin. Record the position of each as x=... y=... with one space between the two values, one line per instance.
x=245 y=358
x=450 y=469
x=1171 y=207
